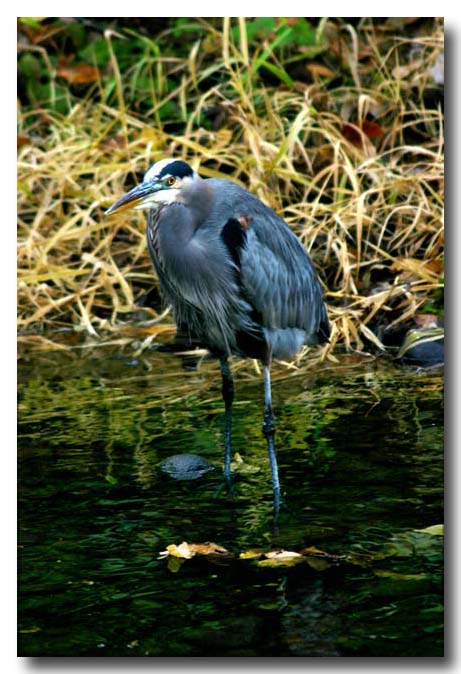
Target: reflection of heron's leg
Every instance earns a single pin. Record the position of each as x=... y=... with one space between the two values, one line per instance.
x=269 y=432
x=228 y=396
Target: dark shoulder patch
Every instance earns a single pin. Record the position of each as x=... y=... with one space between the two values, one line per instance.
x=177 y=168
x=234 y=236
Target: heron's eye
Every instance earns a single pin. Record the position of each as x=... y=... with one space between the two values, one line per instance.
x=170 y=181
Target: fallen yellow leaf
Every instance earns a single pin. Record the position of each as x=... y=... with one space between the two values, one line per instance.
x=207 y=549
x=251 y=554
x=183 y=550
x=281 y=554
x=280 y=558
x=188 y=550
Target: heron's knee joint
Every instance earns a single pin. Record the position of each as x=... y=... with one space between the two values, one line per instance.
x=268 y=423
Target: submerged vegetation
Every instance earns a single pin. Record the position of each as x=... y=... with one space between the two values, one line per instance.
x=335 y=123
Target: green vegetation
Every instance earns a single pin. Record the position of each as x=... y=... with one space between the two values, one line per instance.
x=335 y=123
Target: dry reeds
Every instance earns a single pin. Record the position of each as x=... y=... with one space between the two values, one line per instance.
x=366 y=198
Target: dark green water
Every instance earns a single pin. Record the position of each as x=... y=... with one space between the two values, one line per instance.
x=360 y=450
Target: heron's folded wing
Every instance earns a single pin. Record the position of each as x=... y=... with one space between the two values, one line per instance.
x=279 y=279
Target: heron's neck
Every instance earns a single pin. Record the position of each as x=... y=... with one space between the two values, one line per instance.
x=198 y=199
x=176 y=227
x=173 y=226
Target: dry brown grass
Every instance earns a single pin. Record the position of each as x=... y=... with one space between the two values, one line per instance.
x=359 y=204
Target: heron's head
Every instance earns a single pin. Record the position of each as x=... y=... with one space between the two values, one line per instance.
x=164 y=183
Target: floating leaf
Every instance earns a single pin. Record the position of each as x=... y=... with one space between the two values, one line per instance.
x=286 y=560
x=183 y=550
x=238 y=465
x=434 y=530
x=251 y=554
x=208 y=549
x=280 y=558
x=384 y=573
x=321 y=554
x=312 y=550
x=281 y=554
x=189 y=550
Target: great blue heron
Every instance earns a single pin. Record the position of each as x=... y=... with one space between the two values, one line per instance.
x=238 y=279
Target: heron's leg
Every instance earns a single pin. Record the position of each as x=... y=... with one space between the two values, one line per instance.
x=269 y=432
x=228 y=396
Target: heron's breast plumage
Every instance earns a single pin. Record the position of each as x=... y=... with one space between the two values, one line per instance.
x=199 y=280
x=152 y=232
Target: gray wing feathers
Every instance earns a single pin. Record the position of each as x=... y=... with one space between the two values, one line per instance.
x=279 y=278
x=277 y=274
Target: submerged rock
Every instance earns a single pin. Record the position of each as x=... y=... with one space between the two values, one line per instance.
x=185 y=466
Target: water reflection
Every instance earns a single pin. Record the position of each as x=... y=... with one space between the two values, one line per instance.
x=360 y=460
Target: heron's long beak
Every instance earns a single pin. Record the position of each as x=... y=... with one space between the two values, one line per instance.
x=135 y=198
